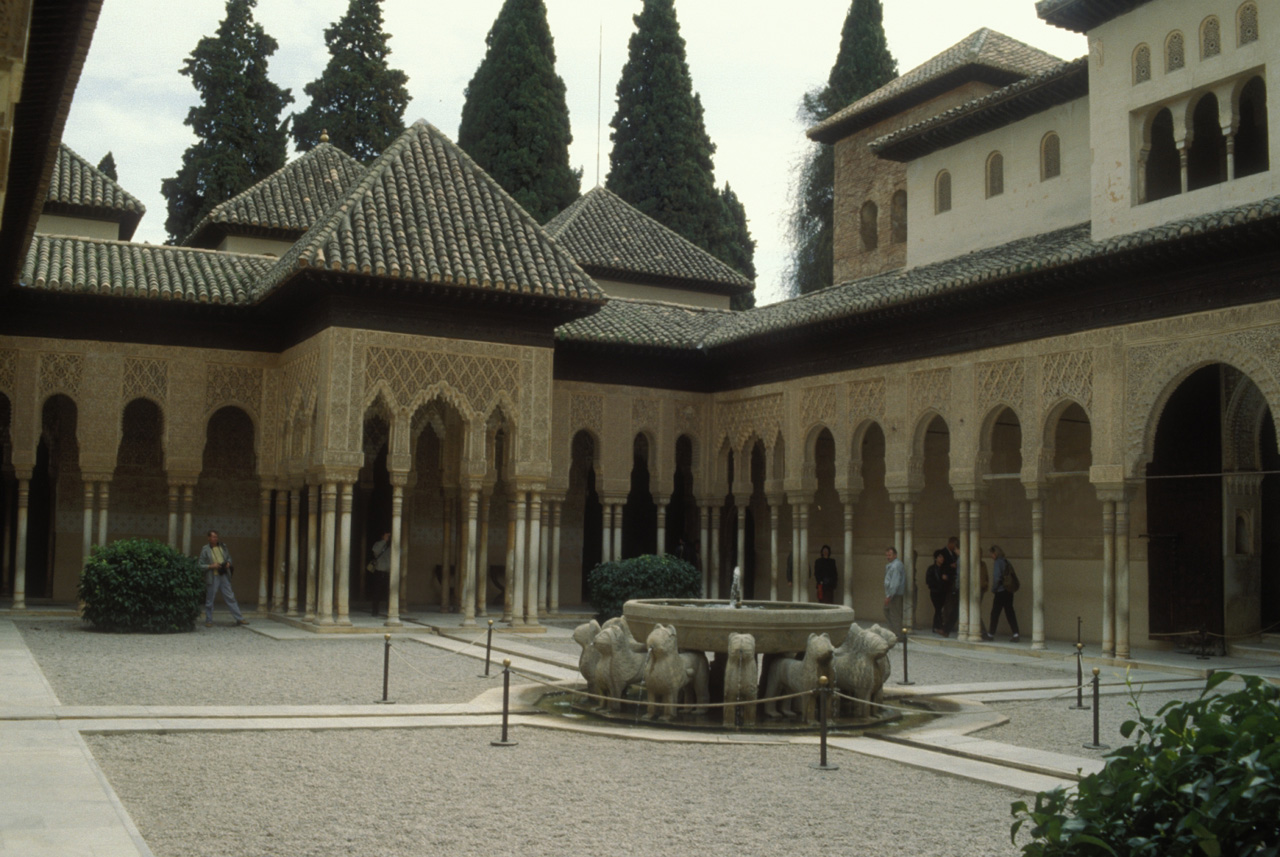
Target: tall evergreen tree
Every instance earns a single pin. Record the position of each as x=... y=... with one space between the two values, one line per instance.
x=862 y=66
x=241 y=139
x=108 y=166
x=661 y=159
x=738 y=248
x=358 y=98
x=515 y=121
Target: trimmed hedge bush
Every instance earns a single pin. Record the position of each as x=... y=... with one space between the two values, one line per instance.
x=614 y=583
x=1204 y=781
x=141 y=585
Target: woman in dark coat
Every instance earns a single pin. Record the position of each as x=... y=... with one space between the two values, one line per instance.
x=824 y=572
x=938 y=579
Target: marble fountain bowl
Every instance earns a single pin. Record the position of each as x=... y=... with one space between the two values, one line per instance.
x=705 y=625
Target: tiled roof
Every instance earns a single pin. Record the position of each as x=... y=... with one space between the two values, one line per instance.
x=997 y=56
x=609 y=237
x=1016 y=101
x=425 y=213
x=288 y=201
x=1083 y=15
x=78 y=187
x=652 y=324
x=87 y=266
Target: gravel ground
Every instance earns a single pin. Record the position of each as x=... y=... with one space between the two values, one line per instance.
x=225 y=665
x=394 y=793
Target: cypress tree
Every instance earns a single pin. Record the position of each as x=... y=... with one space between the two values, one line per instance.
x=358 y=99
x=241 y=139
x=862 y=66
x=515 y=121
x=739 y=248
x=108 y=167
x=661 y=159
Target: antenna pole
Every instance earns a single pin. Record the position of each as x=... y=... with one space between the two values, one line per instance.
x=599 y=98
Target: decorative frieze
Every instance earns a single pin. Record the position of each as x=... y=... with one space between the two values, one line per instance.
x=931 y=389
x=739 y=419
x=146 y=378
x=406 y=374
x=61 y=373
x=586 y=411
x=820 y=405
x=1068 y=375
x=230 y=384
x=8 y=369
x=645 y=414
x=866 y=399
x=1001 y=383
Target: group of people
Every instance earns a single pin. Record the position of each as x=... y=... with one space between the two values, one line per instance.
x=943 y=581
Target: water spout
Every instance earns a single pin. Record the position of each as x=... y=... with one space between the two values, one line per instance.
x=735 y=591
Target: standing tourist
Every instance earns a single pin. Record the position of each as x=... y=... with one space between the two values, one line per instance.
x=895 y=581
x=824 y=572
x=1002 y=598
x=938 y=579
x=951 y=611
x=380 y=576
x=215 y=557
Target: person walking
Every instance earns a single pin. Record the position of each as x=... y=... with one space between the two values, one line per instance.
x=380 y=577
x=895 y=582
x=1002 y=598
x=938 y=579
x=215 y=558
x=824 y=572
x=951 y=610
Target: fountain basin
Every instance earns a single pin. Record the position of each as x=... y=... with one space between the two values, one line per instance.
x=705 y=625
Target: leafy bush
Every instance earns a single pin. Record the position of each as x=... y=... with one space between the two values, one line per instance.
x=614 y=583
x=141 y=585
x=1205 y=780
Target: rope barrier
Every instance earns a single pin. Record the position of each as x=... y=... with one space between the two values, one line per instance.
x=587 y=695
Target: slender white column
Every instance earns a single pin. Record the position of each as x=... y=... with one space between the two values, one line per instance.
x=6 y=546
x=509 y=572
x=264 y=548
x=962 y=600
x=1037 y=573
x=535 y=555
x=975 y=562
x=797 y=562
x=281 y=557
x=406 y=532
x=482 y=556
x=295 y=511
x=343 y=560
x=89 y=491
x=662 y=529
x=104 y=492
x=553 y=588
x=188 y=509
x=175 y=501
x=1122 y=578
x=740 y=524
x=909 y=562
x=606 y=536
x=703 y=557
x=393 y=582
x=617 y=530
x=1108 y=576
x=544 y=549
x=446 y=559
x=20 y=557
x=773 y=551
x=518 y=579
x=313 y=526
x=847 y=576
x=802 y=570
x=468 y=593
x=328 y=502
x=715 y=552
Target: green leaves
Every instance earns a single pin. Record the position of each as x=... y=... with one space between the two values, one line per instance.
x=141 y=585
x=612 y=584
x=1201 y=778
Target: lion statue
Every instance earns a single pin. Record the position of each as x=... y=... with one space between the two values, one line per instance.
x=789 y=675
x=883 y=665
x=621 y=663
x=584 y=635
x=856 y=669
x=670 y=673
x=741 y=679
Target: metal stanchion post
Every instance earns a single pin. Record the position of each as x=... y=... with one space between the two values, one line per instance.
x=824 y=696
x=905 y=680
x=506 y=704
x=488 y=651
x=386 y=667
x=1079 y=706
x=1095 y=745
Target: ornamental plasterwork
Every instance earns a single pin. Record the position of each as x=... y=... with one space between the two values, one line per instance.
x=645 y=414
x=533 y=442
x=482 y=381
x=146 y=378
x=820 y=405
x=1068 y=375
x=300 y=379
x=61 y=373
x=239 y=384
x=738 y=420
x=866 y=399
x=586 y=411
x=931 y=389
x=688 y=419
x=8 y=369
x=1001 y=382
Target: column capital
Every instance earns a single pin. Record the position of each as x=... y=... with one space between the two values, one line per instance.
x=971 y=493
x=903 y=496
x=798 y=498
x=1114 y=491
x=96 y=476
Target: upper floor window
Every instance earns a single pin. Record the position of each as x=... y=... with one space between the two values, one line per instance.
x=1210 y=38
x=1175 y=55
x=942 y=192
x=1247 y=23
x=898 y=218
x=1163 y=169
x=1050 y=157
x=1207 y=154
x=1141 y=64
x=1251 y=146
x=995 y=174
x=867 y=225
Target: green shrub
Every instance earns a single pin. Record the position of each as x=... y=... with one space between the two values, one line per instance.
x=1203 y=780
x=614 y=583
x=141 y=585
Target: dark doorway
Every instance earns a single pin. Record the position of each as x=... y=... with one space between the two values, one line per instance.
x=640 y=515
x=582 y=478
x=1270 y=527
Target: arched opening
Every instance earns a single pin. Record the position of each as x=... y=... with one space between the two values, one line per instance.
x=1050 y=157
x=583 y=502
x=1268 y=528
x=139 y=489
x=1252 y=153
x=1164 y=169
x=867 y=225
x=754 y=578
x=373 y=497
x=53 y=557
x=898 y=218
x=873 y=527
x=433 y=517
x=682 y=512
x=640 y=515
x=995 y=174
x=1072 y=526
x=1207 y=158
x=826 y=513
x=942 y=193
x=227 y=495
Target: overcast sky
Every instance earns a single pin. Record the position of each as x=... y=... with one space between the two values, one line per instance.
x=751 y=60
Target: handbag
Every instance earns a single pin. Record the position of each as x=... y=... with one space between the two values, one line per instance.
x=370 y=567
x=1010 y=578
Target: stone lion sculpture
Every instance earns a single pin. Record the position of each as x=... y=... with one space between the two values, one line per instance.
x=621 y=662
x=788 y=675
x=670 y=673
x=741 y=679
x=882 y=663
x=584 y=635
x=855 y=665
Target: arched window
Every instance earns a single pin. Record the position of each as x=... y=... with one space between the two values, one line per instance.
x=1050 y=157
x=1141 y=64
x=995 y=174
x=867 y=225
x=1210 y=38
x=942 y=192
x=1247 y=23
x=1175 y=55
x=898 y=218
x=1164 y=168
x=1251 y=137
x=1207 y=157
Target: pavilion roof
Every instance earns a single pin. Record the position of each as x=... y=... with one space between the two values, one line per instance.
x=79 y=189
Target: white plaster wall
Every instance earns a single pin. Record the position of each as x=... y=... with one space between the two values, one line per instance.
x=258 y=246
x=80 y=227
x=1116 y=104
x=1028 y=205
x=618 y=289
